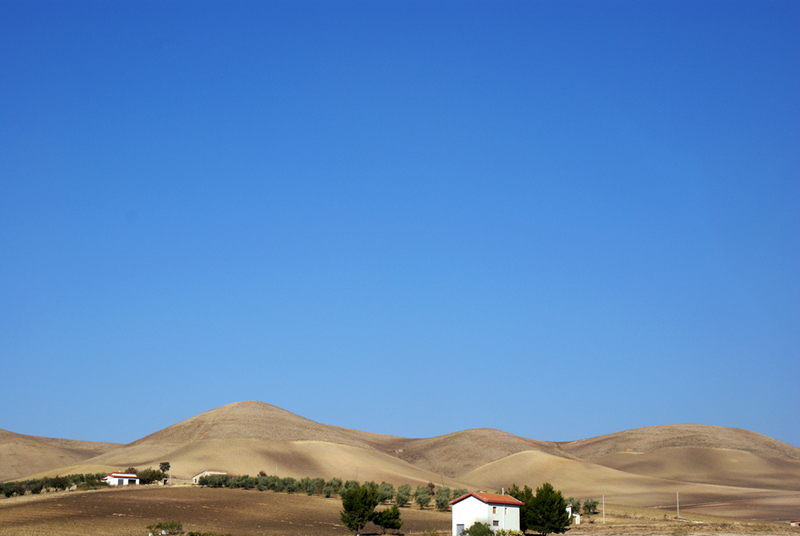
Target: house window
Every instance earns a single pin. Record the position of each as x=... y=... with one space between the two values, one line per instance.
x=495 y=523
x=120 y=481
x=494 y=509
x=505 y=511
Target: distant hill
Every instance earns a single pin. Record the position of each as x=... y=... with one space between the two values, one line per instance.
x=645 y=466
x=23 y=455
x=696 y=453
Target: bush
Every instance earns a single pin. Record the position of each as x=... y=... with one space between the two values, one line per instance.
x=213 y=481
x=478 y=529
x=422 y=496
x=290 y=485
x=442 y=499
x=150 y=475
x=172 y=527
x=332 y=487
x=385 y=492
x=388 y=519
x=350 y=484
x=459 y=492
x=590 y=506
x=403 y=495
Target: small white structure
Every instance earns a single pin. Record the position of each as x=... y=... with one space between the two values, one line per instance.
x=497 y=511
x=121 y=479
x=575 y=517
x=196 y=478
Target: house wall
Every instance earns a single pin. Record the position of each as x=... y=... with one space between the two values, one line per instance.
x=472 y=510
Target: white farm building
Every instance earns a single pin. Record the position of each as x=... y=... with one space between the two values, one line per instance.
x=121 y=479
x=497 y=511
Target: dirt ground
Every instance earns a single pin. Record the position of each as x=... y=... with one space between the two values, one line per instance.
x=122 y=512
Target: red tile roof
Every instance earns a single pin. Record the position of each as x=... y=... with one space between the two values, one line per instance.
x=490 y=498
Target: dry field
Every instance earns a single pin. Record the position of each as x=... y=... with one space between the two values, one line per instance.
x=123 y=512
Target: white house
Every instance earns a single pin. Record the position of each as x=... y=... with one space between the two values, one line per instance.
x=497 y=511
x=196 y=478
x=121 y=479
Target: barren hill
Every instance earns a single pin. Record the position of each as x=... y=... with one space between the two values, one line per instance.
x=696 y=453
x=643 y=467
x=651 y=438
x=458 y=453
x=23 y=455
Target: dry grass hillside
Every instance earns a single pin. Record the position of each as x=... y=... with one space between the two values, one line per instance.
x=696 y=453
x=652 y=438
x=711 y=467
x=459 y=453
x=23 y=455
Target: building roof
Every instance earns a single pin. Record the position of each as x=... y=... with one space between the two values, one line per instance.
x=121 y=475
x=211 y=472
x=490 y=498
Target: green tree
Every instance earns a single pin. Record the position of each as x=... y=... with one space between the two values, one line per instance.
x=590 y=506
x=478 y=529
x=422 y=496
x=332 y=487
x=388 y=518
x=525 y=495
x=442 y=499
x=385 y=492
x=403 y=495
x=359 y=507
x=164 y=467
x=459 y=492
x=348 y=485
x=150 y=475
x=549 y=511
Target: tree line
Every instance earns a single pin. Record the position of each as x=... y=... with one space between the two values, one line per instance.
x=55 y=483
x=78 y=480
x=402 y=495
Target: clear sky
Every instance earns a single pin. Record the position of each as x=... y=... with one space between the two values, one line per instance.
x=557 y=219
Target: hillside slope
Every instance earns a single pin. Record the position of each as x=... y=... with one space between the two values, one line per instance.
x=645 y=466
x=23 y=455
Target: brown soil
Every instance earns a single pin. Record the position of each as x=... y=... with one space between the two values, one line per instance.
x=244 y=513
x=237 y=512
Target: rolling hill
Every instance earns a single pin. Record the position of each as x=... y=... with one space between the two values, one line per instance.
x=23 y=455
x=642 y=467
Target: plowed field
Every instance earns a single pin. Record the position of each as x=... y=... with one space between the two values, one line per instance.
x=122 y=512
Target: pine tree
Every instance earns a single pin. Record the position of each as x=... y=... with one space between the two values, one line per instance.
x=388 y=518
x=548 y=511
x=359 y=507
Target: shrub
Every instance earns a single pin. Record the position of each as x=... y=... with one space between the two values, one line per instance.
x=478 y=529
x=388 y=519
x=332 y=487
x=350 y=484
x=290 y=485
x=150 y=475
x=442 y=499
x=590 y=506
x=172 y=527
x=403 y=495
x=422 y=496
x=385 y=492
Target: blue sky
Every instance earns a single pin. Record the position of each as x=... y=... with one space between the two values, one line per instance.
x=558 y=219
